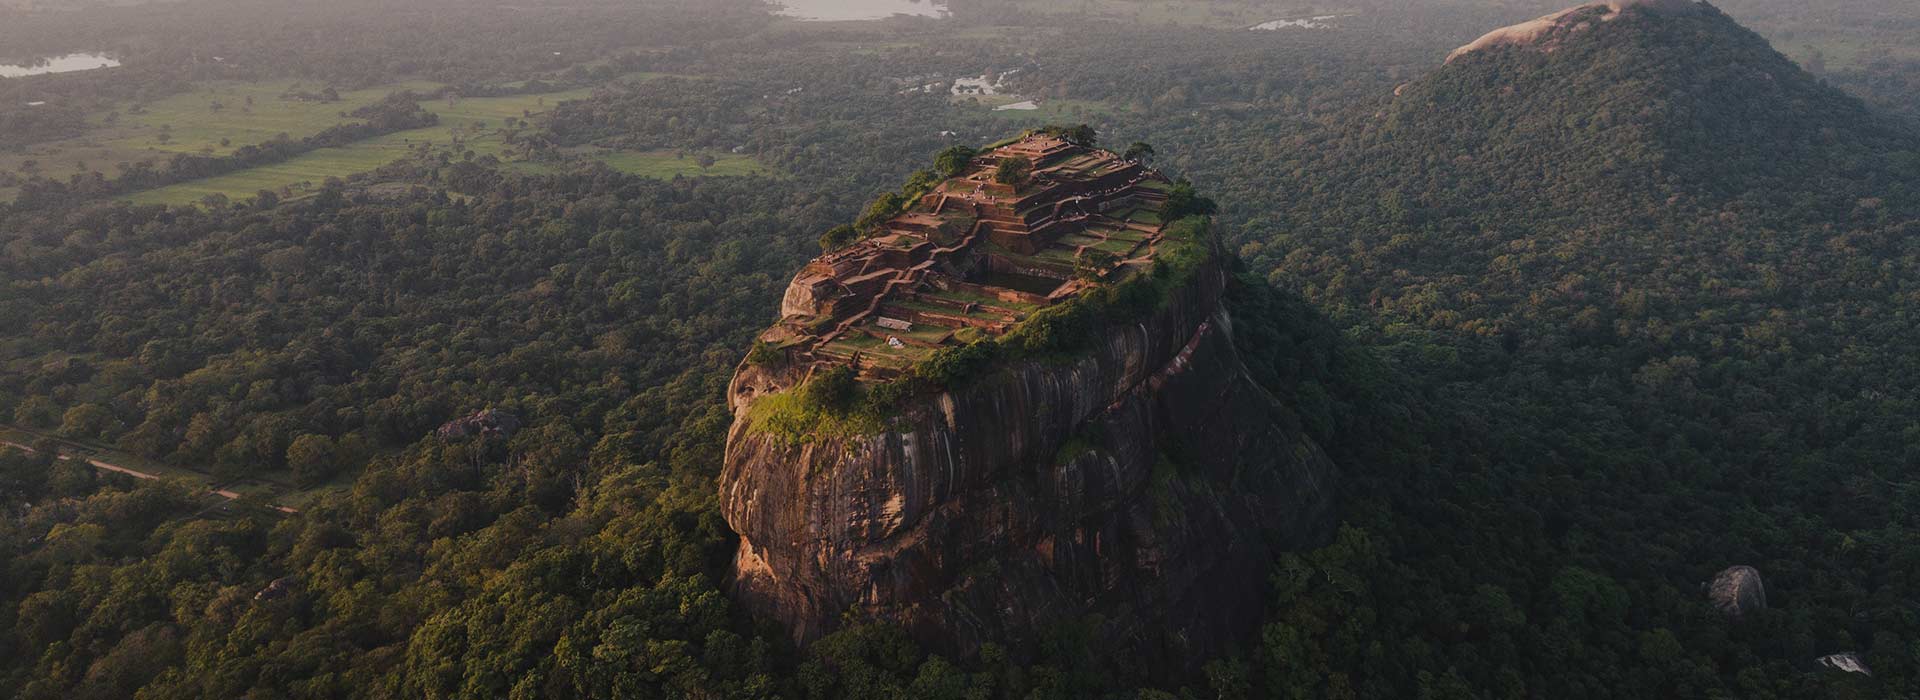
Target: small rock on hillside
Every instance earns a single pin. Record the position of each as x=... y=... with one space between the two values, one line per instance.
x=1846 y=661
x=488 y=424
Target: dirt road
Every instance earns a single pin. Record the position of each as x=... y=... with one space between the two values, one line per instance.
x=97 y=464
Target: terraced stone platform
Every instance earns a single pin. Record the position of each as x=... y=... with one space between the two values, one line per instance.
x=973 y=257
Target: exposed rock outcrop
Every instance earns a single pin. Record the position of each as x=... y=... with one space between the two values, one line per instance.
x=1846 y=661
x=485 y=424
x=1737 y=591
x=1140 y=488
x=279 y=588
x=1544 y=33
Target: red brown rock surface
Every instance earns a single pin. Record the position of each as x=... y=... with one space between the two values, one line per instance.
x=1141 y=489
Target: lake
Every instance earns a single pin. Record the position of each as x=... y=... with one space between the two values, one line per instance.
x=59 y=64
x=845 y=10
x=1321 y=22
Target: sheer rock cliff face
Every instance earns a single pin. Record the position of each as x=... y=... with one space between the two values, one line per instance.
x=1137 y=492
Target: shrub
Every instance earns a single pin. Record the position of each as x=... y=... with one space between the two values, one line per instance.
x=827 y=405
x=765 y=354
x=838 y=237
x=1078 y=134
x=831 y=391
x=1183 y=202
x=953 y=161
x=880 y=209
x=951 y=367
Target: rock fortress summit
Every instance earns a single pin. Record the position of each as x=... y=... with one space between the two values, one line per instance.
x=974 y=256
x=1015 y=408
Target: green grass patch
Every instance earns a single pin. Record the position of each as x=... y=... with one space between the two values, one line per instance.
x=982 y=299
x=1058 y=255
x=190 y=124
x=195 y=127
x=988 y=100
x=302 y=173
x=875 y=350
x=474 y=123
x=793 y=417
x=1116 y=247
x=1142 y=215
x=1053 y=111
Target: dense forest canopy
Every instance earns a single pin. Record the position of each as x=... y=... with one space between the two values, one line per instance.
x=1582 y=329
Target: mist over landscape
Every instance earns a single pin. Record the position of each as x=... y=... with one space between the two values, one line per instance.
x=970 y=349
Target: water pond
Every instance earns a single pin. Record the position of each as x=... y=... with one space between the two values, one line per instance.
x=58 y=64
x=847 y=10
x=1321 y=22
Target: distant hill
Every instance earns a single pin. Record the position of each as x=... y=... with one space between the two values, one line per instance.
x=1671 y=98
x=1668 y=277
x=1669 y=126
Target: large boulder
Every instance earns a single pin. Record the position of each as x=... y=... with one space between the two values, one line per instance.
x=1737 y=591
x=484 y=424
x=279 y=588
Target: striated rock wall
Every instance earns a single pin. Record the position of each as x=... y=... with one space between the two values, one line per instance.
x=1139 y=490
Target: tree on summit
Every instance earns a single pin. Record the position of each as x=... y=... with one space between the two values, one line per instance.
x=1139 y=152
x=953 y=161
x=1078 y=134
x=1013 y=170
x=839 y=237
x=1183 y=202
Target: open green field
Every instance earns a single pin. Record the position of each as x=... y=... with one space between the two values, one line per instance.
x=195 y=127
x=300 y=174
x=472 y=122
x=188 y=123
x=1051 y=111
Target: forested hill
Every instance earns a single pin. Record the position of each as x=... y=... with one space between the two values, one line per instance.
x=1669 y=278
x=1650 y=105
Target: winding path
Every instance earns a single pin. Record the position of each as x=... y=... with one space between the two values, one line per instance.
x=105 y=466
